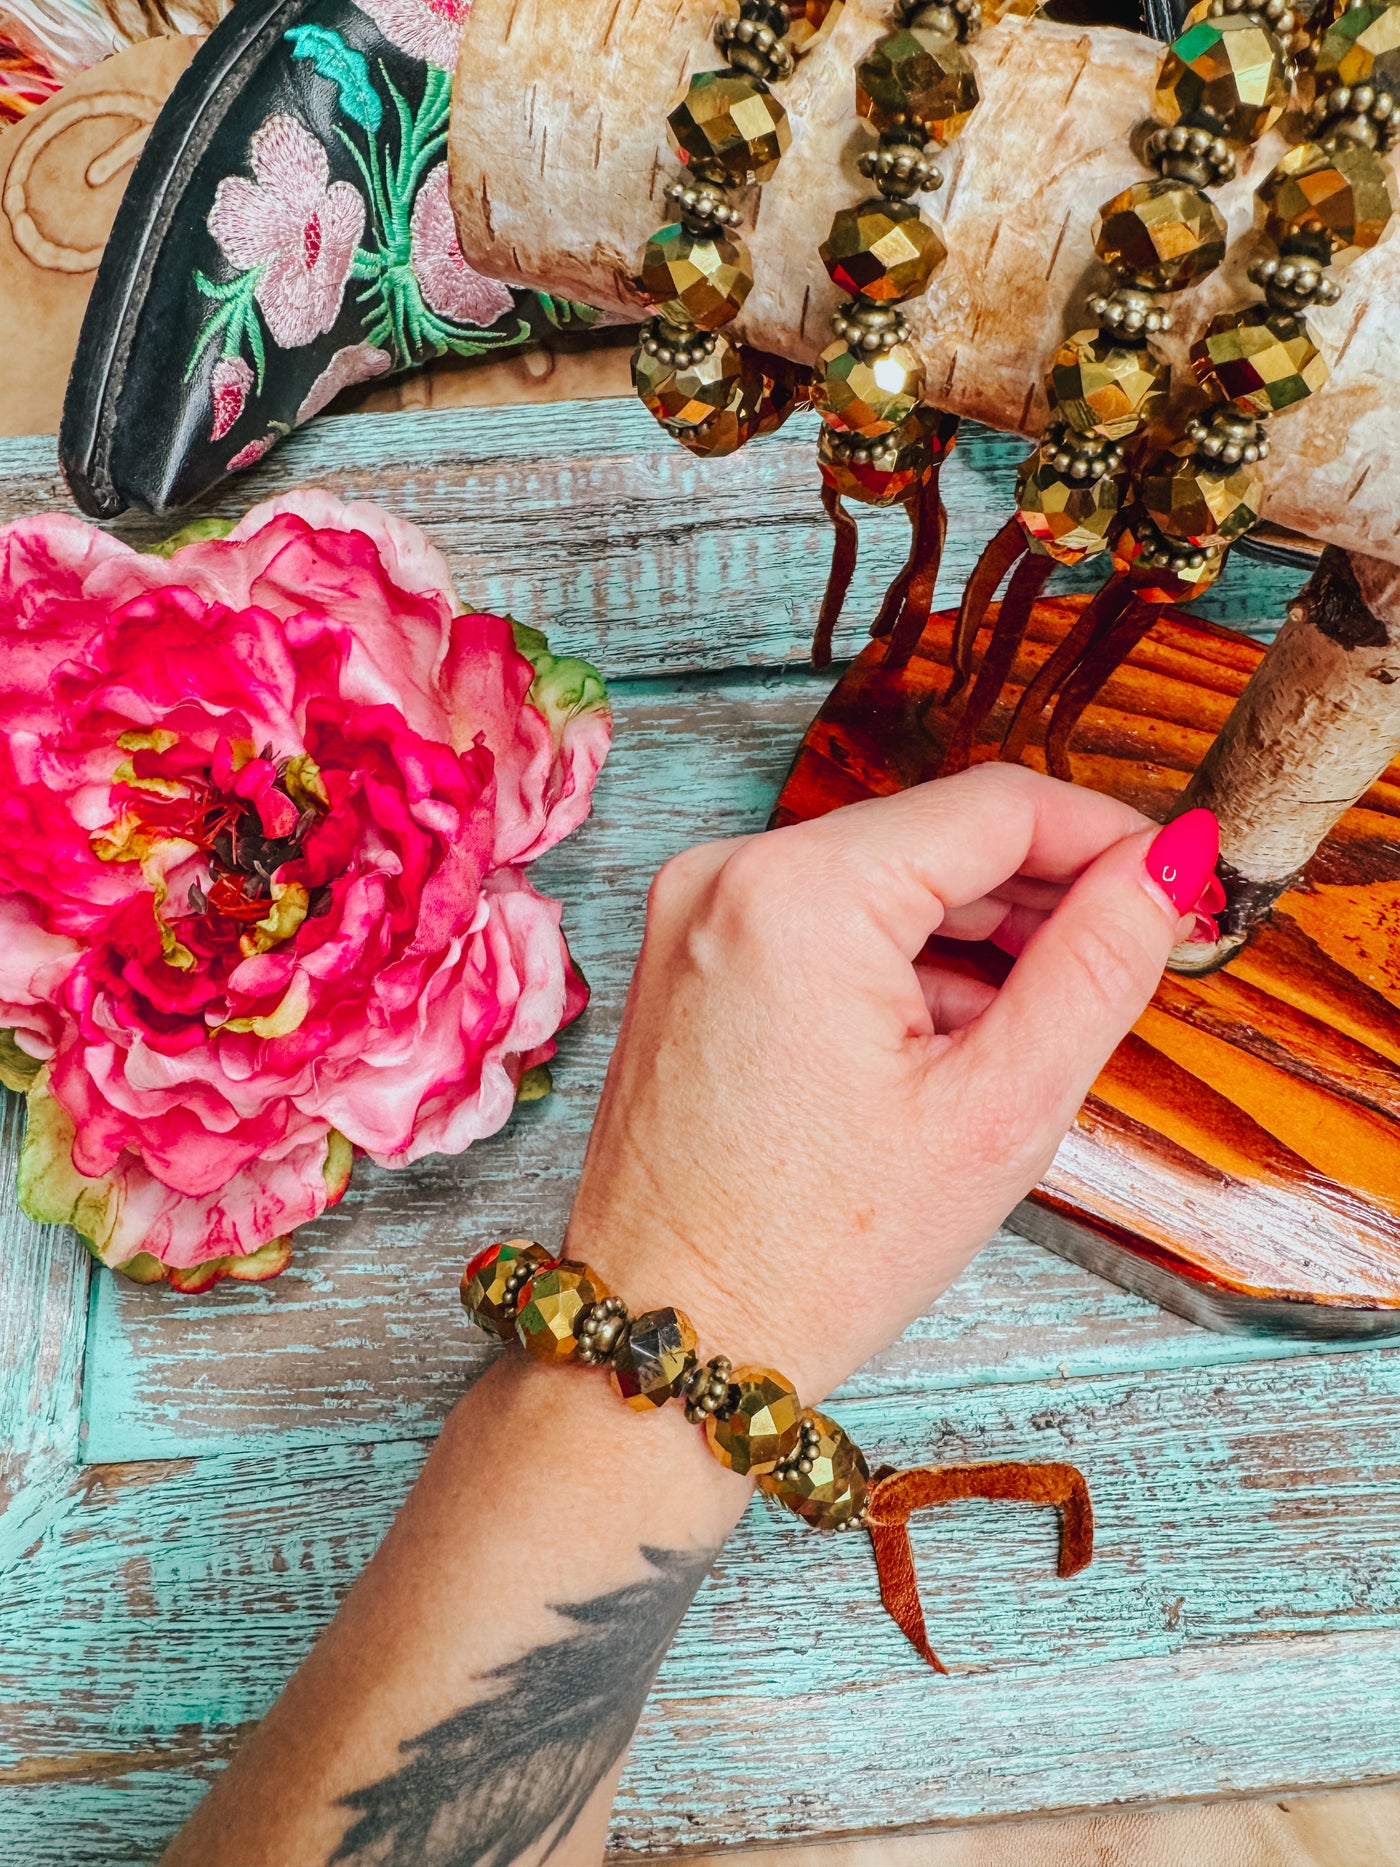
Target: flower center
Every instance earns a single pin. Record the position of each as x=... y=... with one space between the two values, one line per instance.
x=453 y=10
x=311 y=241
x=249 y=813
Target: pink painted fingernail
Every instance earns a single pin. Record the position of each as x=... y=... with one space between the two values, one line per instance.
x=1213 y=899
x=1181 y=860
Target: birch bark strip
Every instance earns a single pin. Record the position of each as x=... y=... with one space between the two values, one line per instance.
x=1316 y=726
x=559 y=161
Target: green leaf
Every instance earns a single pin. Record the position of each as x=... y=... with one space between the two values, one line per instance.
x=535 y=1084
x=49 y=1186
x=563 y=685
x=344 y=67
x=196 y=532
x=17 y=1068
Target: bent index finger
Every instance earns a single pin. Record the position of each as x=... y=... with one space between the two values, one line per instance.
x=947 y=843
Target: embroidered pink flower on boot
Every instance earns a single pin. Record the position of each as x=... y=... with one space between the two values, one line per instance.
x=266 y=808
x=295 y=223
x=228 y=391
x=426 y=29
x=447 y=282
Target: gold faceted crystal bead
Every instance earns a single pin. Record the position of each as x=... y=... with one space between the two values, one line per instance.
x=1361 y=46
x=742 y=417
x=683 y=396
x=729 y=126
x=916 y=79
x=1100 y=385
x=493 y=1280
x=554 y=1303
x=1064 y=518
x=1231 y=66
x=761 y=1424
x=1259 y=360
x=696 y=278
x=1136 y=549
x=1335 y=202
x=882 y=251
x=864 y=393
x=826 y=1480
x=1200 y=502
x=654 y=1363
x=1161 y=235
x=881 y=470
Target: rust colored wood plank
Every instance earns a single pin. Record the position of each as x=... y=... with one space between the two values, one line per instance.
x=1254 y=1135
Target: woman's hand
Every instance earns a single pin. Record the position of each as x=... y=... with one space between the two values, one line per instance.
x=808 y=1129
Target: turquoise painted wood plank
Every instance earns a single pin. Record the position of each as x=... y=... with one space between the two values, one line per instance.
x=336 y=1348
x=585 y=519
x=1238 y=1632
x=43 y=1304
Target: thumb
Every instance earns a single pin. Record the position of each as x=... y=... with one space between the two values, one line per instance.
x=1086 y=975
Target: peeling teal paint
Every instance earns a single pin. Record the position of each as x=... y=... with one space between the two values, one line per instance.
x=1240 y=1629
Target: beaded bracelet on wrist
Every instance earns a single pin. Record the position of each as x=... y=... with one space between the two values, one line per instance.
x=561 y=1311
x=1168 y=519
x=880 y=445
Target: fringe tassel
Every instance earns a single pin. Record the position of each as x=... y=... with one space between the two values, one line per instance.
x=843 y=566
x=896 y=1495
x=995 y=561
x=905 y=617
x=1097 y=617
x=1027 y=581
x=1113 y=645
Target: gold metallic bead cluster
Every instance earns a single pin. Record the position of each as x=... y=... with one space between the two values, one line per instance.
x=1326 y=201
x=915 y=89
x=727 y=131
x=560 y=1310
x=1222 y=83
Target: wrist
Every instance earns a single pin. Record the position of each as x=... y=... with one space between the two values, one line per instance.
x=661 y=1266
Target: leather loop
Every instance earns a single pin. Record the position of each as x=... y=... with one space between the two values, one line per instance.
x=895 y=1495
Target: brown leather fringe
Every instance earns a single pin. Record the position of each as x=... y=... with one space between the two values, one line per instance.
x=1095 y=620
x=1027 y=581
x=892 y=603
x=930 y=530
x=1098 y=662
x=896 y=1495
x=996 y=560
x=843 y=567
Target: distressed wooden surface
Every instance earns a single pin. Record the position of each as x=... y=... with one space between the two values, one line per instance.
x=170 y=1548
x=1247 y=1133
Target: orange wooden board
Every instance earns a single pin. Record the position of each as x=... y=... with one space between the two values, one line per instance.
x=1242 y=1147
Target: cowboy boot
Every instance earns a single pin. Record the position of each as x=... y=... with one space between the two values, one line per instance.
x=286 y=232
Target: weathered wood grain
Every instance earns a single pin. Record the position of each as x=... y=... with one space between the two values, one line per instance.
x=1246 y=1131
x=362 y=1337
x=589 y=521
x=1246 y=1590
x=43 y=1315
x=149 y=1610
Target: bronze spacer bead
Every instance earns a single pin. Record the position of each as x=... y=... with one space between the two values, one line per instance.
x=602 y=1330
x=706 y=1391
x=1130 y=313
x=1293 y=282
x=702 y=205
x=952 y=19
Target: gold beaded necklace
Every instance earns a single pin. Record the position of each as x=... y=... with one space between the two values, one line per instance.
x=879 y=445
x=1170 y=520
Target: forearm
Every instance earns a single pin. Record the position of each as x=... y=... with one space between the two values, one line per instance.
x=473 y=1697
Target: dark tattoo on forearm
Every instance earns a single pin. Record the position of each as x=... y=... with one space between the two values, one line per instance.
x=486 y=1784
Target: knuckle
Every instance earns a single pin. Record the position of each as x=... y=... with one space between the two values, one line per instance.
x=677 y=882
